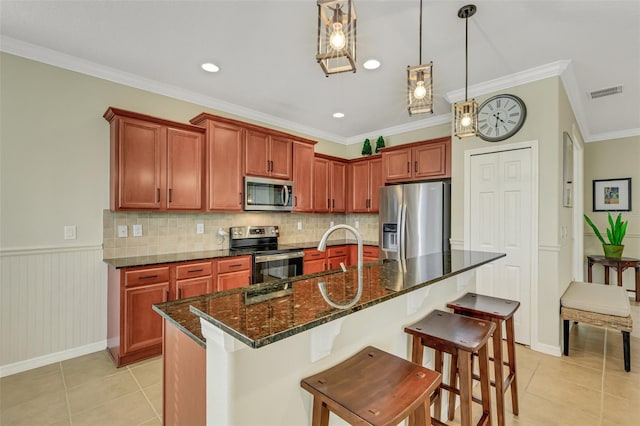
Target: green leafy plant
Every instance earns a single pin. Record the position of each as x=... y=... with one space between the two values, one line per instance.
x=615 y=232
x=379 y=144
x=366 y=148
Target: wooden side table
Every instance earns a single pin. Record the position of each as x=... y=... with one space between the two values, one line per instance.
x=619 y=265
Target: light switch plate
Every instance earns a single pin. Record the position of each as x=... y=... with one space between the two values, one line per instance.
x=137 y=230
x=357 y=224
x=330 y=223
x=199 y=228
x=299 y=226
x=69 y=232
x=122 y=231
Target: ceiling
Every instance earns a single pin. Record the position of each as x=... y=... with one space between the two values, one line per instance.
x=266 y=53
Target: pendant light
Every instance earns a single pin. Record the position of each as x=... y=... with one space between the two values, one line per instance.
x=336 y=36
x=465 y=114
x=420 y=83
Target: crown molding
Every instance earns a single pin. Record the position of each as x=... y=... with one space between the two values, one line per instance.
x=401 y=128
x=73 y=63
x=629 y=133
x=517 y=79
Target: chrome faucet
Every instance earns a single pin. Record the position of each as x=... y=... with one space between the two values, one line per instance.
x=322 y=246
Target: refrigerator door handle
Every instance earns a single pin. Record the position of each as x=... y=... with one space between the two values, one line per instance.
x=403 y=231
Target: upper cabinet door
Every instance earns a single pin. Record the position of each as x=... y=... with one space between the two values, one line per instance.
x=338 y=186
x=138 y=178
x=432 y=160
x=375 y=182
x=397 y=165
x=302 y=177
x=224 y=166
x=256 y=154
x=359 y=189
x=321 y=199
x=184 y=169
x=280 y=153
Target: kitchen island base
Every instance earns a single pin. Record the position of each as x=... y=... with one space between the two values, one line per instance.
x=261 y=386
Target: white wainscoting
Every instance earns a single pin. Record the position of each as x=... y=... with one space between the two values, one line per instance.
x=53 y=305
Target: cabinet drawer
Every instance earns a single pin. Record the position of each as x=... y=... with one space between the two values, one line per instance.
x=233 y=264
x=337 y=251
x=193 y=270
x=370 y=251
x=314 y=254
x=146 y=276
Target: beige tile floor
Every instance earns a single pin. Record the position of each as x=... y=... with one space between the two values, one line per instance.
x=589 y=387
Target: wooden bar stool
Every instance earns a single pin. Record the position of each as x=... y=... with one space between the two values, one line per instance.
x=498 y=311
x=461 y=337
x=373 y=387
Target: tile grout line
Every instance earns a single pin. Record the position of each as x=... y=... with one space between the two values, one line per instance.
x=66 y=394
x=144 y=393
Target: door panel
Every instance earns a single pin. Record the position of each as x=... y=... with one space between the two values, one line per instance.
x=500 y=207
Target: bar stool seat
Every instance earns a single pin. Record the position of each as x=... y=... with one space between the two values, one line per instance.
x=498 y=311
x=373 y=387
x=461 y=337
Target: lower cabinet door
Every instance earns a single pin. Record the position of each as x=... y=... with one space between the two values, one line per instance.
x=233 y=280
x=142 y=325
x=193 y=287
x=313 y=266
x=334 y=262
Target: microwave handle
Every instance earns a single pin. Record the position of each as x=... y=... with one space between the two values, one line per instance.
x=285 y=195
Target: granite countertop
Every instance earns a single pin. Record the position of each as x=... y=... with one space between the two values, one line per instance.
x=126 y=262
x=265 y=313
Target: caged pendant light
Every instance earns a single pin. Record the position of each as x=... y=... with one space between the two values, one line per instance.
x=465 y=114
x=420 y=83
x=336 y=36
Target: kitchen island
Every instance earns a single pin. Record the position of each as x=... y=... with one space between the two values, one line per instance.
x=261 y=340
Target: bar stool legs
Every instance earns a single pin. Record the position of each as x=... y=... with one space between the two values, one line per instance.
x=498 y=311
x=461 y=337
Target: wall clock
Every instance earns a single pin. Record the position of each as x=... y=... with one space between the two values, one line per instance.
x=500 y=117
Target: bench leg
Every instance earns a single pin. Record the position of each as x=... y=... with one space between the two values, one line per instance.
x=566 y=337
x=626 y=347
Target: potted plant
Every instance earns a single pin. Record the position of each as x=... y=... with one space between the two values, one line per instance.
x=615 y=234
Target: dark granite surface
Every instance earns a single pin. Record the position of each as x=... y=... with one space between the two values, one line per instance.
x=125 y=262
x=265 y=313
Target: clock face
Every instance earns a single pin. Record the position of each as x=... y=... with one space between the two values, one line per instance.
x=500 y=117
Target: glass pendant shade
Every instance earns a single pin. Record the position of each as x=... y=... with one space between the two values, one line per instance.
x=336 y=36
x=420 y=89
x=465 y=118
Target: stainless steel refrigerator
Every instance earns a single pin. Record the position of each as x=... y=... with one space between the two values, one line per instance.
x=415 y=219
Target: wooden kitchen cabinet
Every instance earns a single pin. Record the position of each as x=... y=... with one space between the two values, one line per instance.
x=302 y=177
x=329 y=183
x=314 y=261
x=143 y=327
x=223 y=166
x=155 y=164
x=234 y=272
x=417 y=161
x=267 y=155
x=369 y=254
x=337 y=255
x=194 y=279
x=364 y=182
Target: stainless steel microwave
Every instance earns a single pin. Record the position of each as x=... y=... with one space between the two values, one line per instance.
x=268 y=194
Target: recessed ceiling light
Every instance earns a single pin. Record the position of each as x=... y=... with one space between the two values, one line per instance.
x=372 y=64
x=209 y=67
x=338 y=115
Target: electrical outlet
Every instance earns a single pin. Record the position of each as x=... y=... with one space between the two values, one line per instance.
x=299 y=226
x=137 y=230
x=69 y=232
x=330 y=223
x=199 y=228
x=122 y=231
x=357 y=224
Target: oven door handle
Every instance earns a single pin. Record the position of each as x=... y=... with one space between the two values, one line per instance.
x=262 y=258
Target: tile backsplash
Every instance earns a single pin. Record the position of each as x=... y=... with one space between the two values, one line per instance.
x=176 y=232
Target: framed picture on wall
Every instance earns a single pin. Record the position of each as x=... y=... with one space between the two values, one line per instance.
x=612 y=195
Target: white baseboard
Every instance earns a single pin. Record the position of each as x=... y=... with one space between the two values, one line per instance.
x=547 y=349
x=29 y=364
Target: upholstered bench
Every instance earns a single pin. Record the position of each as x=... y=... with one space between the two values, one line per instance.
x=600 y=305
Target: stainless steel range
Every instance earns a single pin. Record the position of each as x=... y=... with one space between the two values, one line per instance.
x=271 y=261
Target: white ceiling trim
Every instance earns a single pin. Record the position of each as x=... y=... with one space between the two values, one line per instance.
x=73 y=63
x=394 y=130
x=613 y=135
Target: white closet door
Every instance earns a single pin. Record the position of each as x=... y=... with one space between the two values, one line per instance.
x=500 y=209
